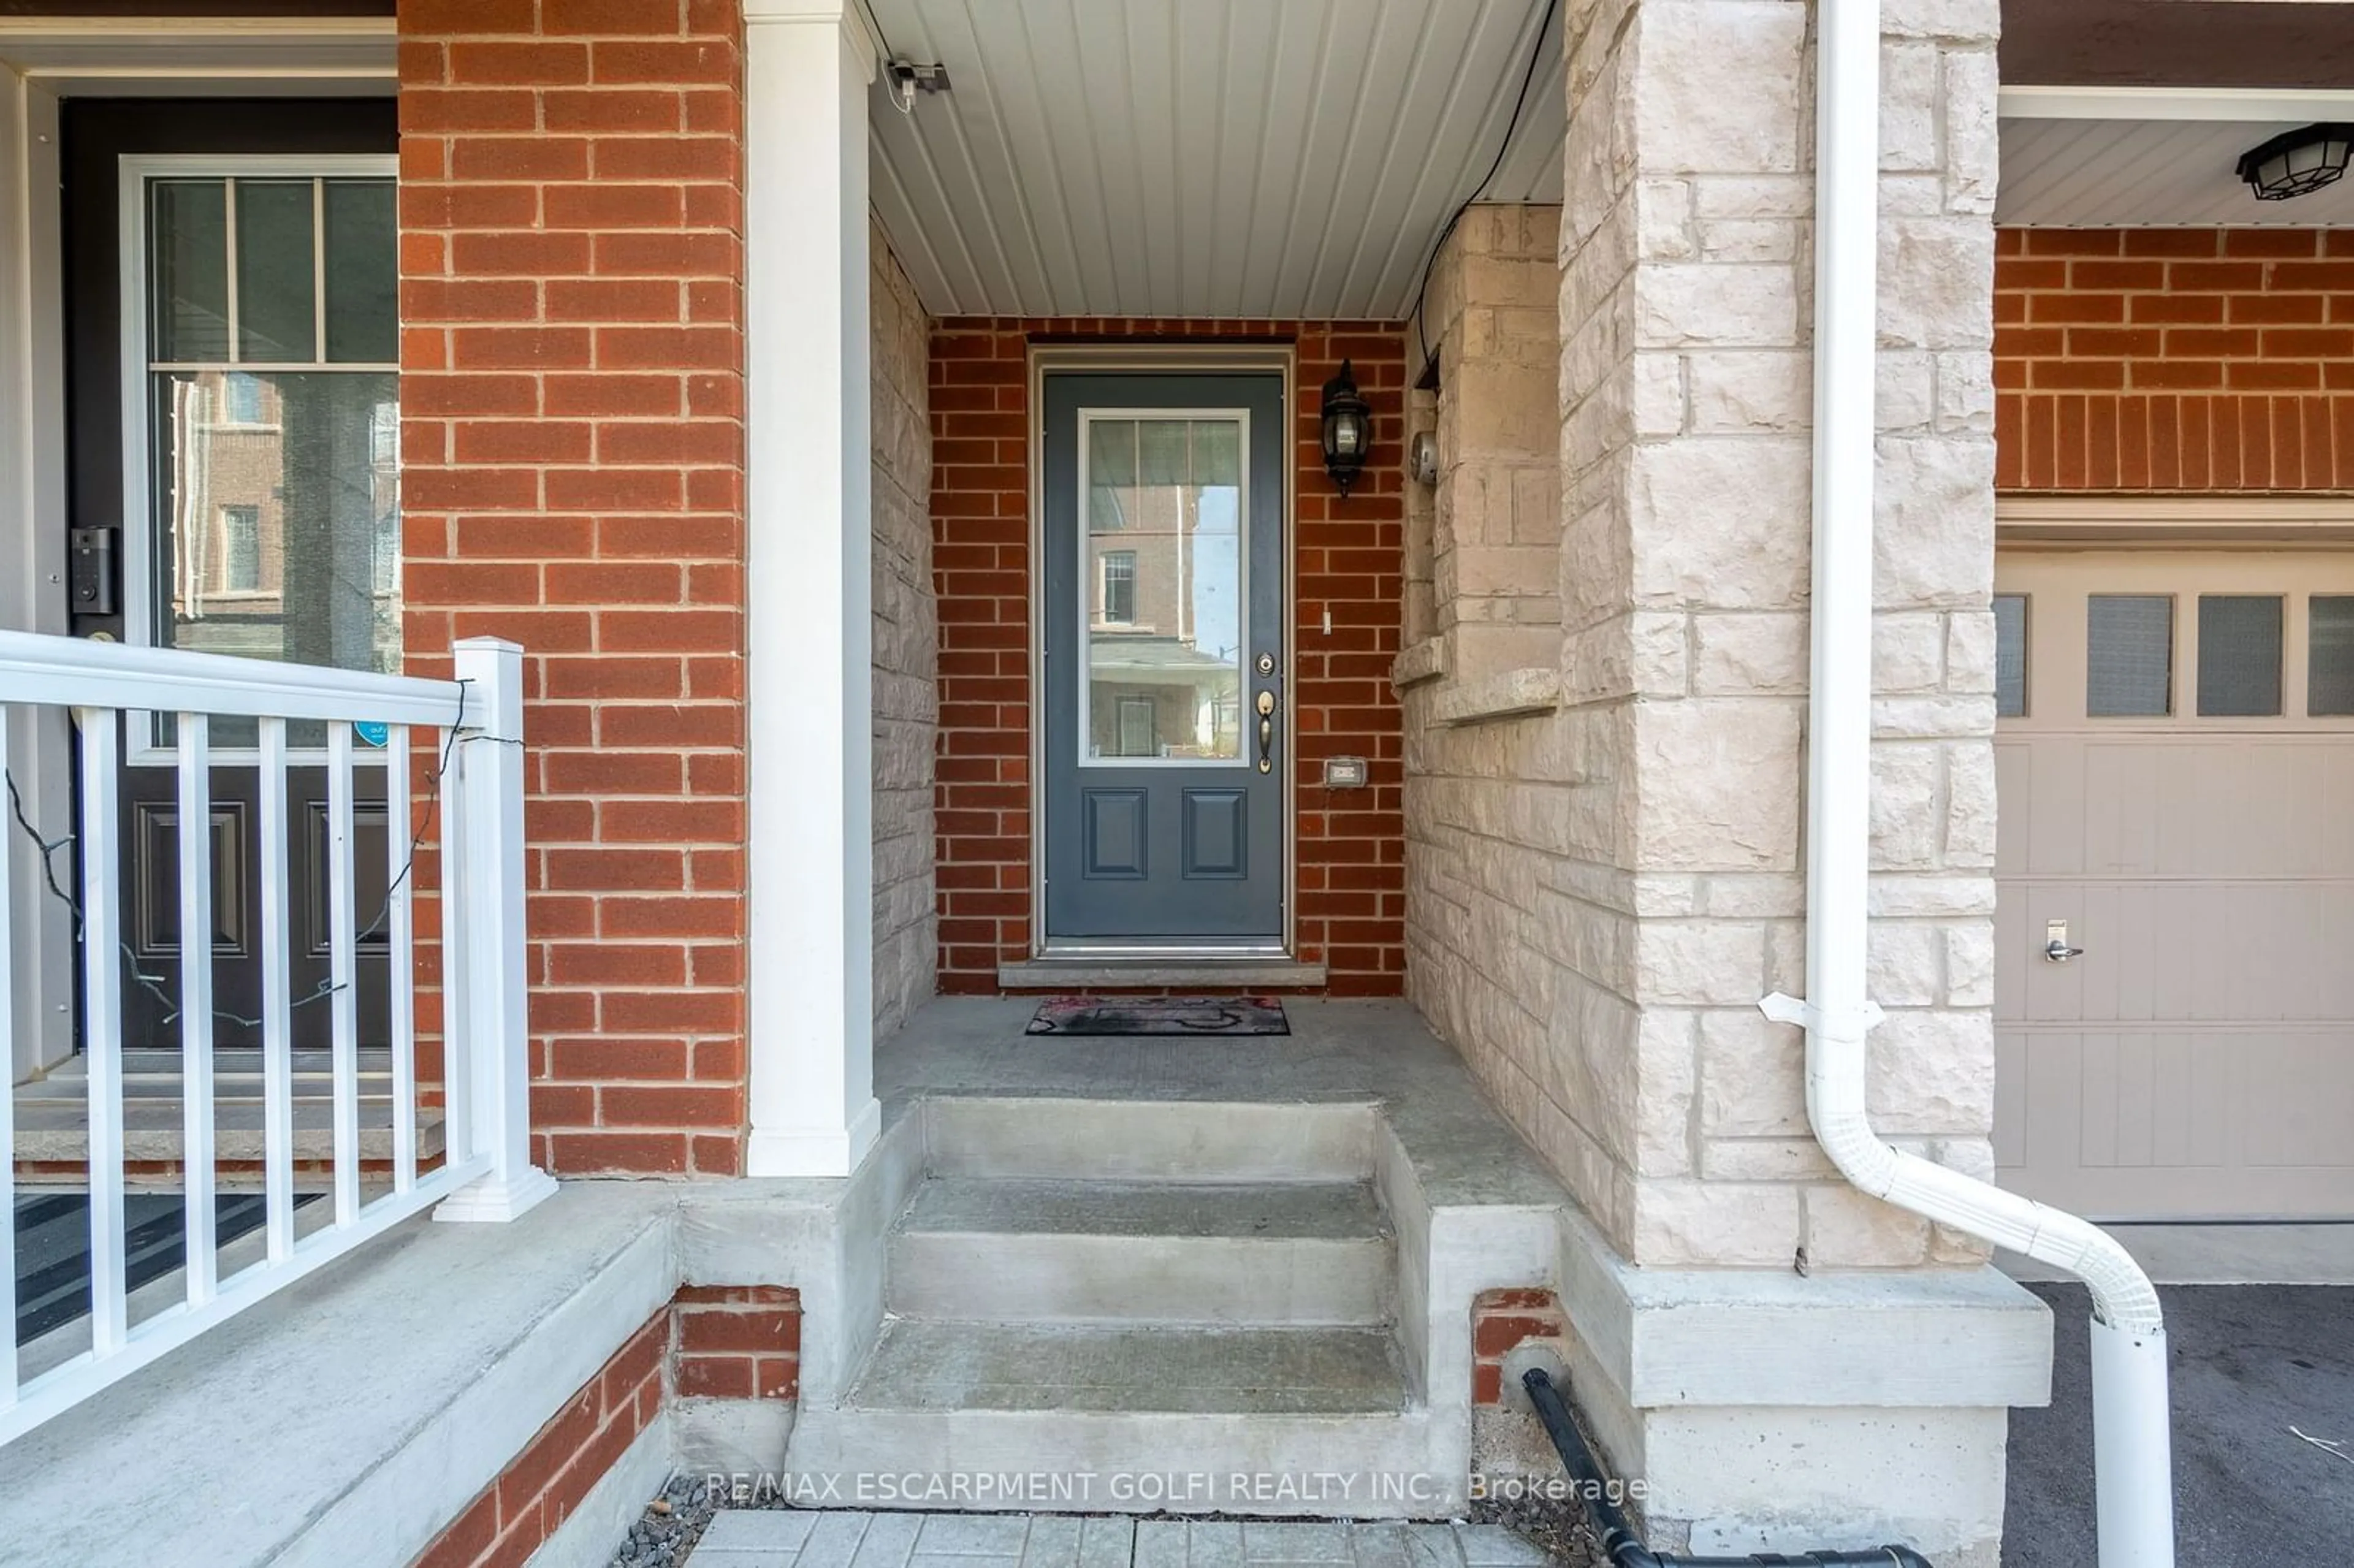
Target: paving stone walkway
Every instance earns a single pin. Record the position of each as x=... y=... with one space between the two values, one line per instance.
x=755 y=1538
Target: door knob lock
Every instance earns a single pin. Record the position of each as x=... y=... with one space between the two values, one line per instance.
x=2056 y=950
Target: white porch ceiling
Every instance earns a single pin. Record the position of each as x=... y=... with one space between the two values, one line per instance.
x=1202 y=158
x=2148 y=173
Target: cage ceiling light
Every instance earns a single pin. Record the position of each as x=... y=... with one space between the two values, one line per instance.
x=2297 y=163
x=1348 y=427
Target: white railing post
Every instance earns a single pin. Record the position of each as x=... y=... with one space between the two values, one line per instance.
x=483 y=910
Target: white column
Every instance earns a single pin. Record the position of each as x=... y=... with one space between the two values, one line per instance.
x=487 y=998
x=810 y=683
x=33 y=564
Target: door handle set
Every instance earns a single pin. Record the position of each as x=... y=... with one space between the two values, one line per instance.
x=2056 y=950
x=1265 y=732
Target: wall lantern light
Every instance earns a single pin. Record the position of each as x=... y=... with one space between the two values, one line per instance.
x=2296 y=163
x=1348 y=427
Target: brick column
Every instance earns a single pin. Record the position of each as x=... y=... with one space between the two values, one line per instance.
x=573 y=478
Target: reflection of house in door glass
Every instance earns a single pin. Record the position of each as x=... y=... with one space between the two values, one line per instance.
x=1164 y=586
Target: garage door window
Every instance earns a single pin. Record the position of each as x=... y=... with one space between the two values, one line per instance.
x=2129 y=655
x=2330 y=664
x=2239 y=655
x=2010 y=655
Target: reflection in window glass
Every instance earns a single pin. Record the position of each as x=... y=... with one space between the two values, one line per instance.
x=1163 y=569
x=2329 y=668
x=2130 y=649
x=240 y=549
x=2010 y=655
x=2239 y=655
x=1119 y=587
x=270 y=539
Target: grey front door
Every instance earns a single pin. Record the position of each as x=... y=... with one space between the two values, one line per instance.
x=1165 y=643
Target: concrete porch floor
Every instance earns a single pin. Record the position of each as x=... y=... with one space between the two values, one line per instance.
x=1338 y=1053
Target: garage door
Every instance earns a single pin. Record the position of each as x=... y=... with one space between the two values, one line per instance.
x=2176 y=756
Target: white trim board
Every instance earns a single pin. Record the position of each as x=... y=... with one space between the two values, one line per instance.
x=102 y=56
x=2230 y=520
x=33 y=557
x=2225 y=104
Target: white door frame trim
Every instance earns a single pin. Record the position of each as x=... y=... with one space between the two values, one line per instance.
x=43 y=60
x=1143 y=357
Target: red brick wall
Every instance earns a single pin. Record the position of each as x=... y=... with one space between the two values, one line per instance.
x=568 y=1456
x=573 y=449
x=1347 y=559
x=736 y=1342
x=1501 y=1319
x=2174 y=359
x=721 y=1341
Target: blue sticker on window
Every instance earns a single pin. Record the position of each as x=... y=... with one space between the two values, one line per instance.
x=371 y=733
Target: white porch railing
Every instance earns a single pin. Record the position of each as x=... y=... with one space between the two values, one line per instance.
x=473 y=722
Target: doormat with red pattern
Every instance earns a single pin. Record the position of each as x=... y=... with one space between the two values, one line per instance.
x=1161 y=1015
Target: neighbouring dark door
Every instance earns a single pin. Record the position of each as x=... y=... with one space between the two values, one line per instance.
x=233 y=442
x=1164 y=658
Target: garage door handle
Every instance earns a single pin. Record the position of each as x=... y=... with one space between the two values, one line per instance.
x=2056 y=950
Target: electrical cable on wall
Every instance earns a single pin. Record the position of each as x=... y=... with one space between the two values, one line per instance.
x=1422 y=289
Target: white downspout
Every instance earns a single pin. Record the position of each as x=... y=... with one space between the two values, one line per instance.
x=2133 y=1460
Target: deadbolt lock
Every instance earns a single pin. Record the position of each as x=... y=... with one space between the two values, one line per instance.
x=1266 y=663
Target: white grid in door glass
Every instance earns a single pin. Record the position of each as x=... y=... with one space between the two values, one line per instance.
x=2129 y=655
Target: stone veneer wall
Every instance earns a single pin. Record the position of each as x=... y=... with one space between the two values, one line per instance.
x=906 y=645
x=1607 y=995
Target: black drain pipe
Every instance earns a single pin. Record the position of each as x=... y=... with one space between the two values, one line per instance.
x=1624 y=1547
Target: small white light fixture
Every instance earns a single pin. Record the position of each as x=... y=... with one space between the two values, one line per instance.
x=2297 y=163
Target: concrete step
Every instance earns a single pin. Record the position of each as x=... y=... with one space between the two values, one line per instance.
x=1148 y=1140
x=927 y=1364
x=1185 y=1408
x=1045 y=1251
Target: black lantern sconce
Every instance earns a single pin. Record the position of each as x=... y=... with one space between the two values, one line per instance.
x=1348 y=427
x=2297 y=163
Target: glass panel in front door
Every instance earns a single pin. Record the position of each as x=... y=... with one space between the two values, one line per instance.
x=1163 y=573
x=263 y=484
x=274 y=523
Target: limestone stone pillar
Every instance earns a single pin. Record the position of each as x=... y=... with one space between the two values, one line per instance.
x=1601 y=888
x=1686 y=398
